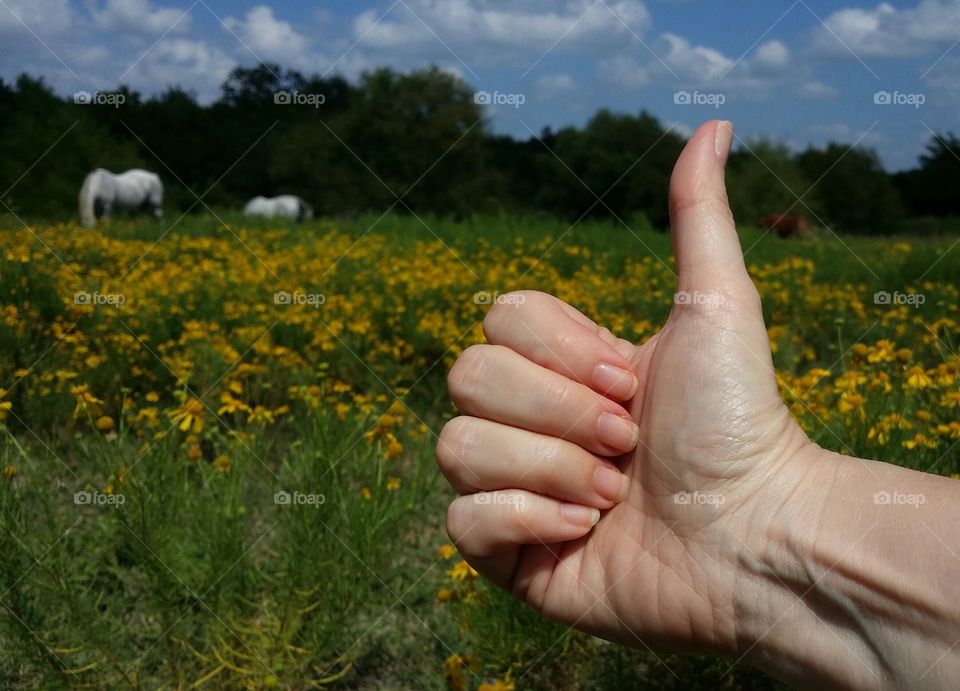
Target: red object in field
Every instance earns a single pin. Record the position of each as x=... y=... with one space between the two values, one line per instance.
x=786 y=226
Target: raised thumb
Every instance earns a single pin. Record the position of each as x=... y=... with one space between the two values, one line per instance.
x=705 y=241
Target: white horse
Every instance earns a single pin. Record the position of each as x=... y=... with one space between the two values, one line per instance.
x=103 y=192
x=286 y=206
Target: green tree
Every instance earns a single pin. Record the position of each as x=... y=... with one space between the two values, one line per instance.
x=764 y=178
x=857 y=194
x=931 y=189
x=400 y=131
x=626 y=160
x=47 y=147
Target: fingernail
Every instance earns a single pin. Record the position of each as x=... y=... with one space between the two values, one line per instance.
x=582 y=516
x=617 y=432
x=610 y=483
x=722 y=140
x=614 y=381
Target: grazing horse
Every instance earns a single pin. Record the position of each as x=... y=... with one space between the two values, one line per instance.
x=286 y=205
x=103 y=192
x=786 y=226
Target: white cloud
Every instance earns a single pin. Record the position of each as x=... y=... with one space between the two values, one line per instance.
x=195 y=65
x=678 y=62
x=886 y=31
x=473 y=28
x=41 y=17
x=772 y=56
x=690 y=62
x=815 y=90
x=843 y=133
x=684 y=130
x=138 y=17
x=552 y=85
x=270 y=38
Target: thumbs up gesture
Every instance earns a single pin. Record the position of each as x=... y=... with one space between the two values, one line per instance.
x=622 y=488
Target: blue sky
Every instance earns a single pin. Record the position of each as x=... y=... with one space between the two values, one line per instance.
x=803 y=72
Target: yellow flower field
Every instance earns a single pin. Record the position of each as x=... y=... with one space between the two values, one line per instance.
x=212 y=380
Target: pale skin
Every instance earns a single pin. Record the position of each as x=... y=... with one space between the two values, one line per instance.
x=661 y=495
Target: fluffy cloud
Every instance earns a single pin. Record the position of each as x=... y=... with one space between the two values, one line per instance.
x=814 y=90
x=771 y=56
x=139 y=16
x=677 y=61
x=193 y=64
x=474 y=28
x=41 y=17
x=886 y=31
x=552 y=85
x=270 y=38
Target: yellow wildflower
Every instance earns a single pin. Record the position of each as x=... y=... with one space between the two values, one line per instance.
x=462 y=571
x=189 y=416
x=222 y=463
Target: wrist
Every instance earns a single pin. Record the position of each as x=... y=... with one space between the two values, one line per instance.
x=845 y=586
x=789 y=623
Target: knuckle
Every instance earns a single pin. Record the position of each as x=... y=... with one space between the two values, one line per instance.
x=507 y=311
x=457 y=445
x=708 y=202
x=467 y=374
x=458 y=521
x=497 y=320
x=562 y=341
x=553 y=396
x=546 y=453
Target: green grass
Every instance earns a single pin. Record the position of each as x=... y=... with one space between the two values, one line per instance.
x=199 y=577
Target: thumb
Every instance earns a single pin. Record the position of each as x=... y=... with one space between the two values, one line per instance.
x=705 y=241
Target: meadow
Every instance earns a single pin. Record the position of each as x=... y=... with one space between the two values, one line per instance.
x=217 y=443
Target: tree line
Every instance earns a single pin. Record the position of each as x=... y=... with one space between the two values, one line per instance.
x=419 y=142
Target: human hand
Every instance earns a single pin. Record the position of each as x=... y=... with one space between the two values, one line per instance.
x=716 y=450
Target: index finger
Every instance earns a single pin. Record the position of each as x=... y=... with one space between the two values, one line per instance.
x=554 y=335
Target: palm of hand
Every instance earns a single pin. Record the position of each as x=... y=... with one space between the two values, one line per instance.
x=661 y=566
x=712 y=425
